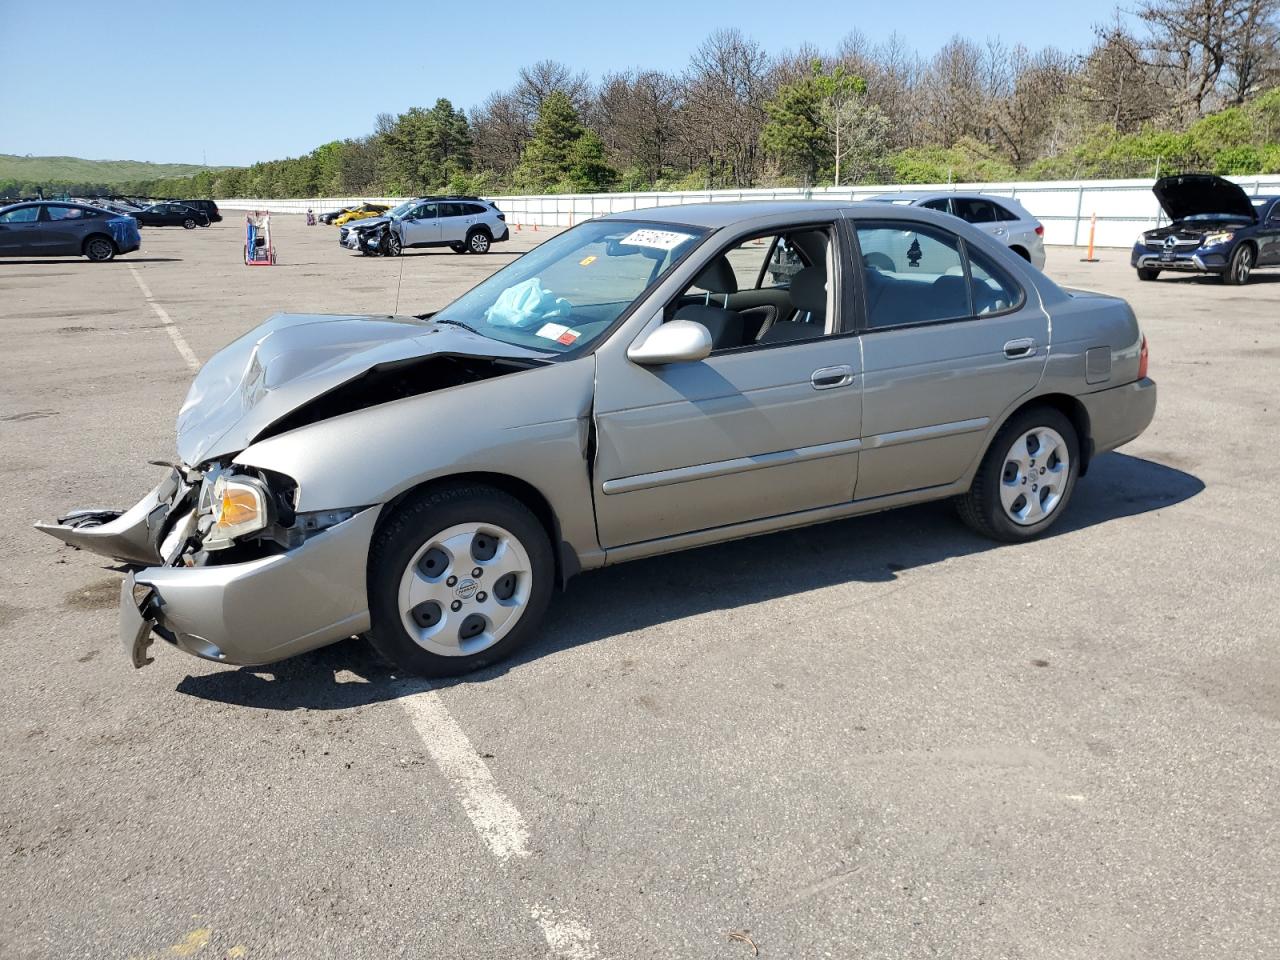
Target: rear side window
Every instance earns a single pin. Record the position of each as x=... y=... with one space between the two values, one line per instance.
x=1004 y=213
x=917 y=274
x=21 y=215
x=913 y=275
x=975 y=210
x=940 y=205
x=475 y=210
x=59 y=212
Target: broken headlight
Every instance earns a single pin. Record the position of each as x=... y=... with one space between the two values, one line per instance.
x=237 y=505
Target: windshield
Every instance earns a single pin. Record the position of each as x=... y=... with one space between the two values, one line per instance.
x=566 y=293
x=399 y=211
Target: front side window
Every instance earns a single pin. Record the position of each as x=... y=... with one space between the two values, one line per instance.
x=764 y=290
x=21 y=215
x=566 y=293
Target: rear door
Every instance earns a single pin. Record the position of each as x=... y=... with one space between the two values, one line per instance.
x=950 y=340
x=454 y=222
x=65 y=229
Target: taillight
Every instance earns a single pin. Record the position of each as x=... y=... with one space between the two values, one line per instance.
x=1039 y=230
x=1142 y=359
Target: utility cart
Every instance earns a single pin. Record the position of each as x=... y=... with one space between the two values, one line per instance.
x=259 y=251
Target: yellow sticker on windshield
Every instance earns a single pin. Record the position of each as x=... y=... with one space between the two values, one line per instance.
x=587 y=261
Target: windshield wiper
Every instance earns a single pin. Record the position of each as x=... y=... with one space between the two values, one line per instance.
x=464 y=326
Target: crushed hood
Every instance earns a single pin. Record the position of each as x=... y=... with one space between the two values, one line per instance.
x=294 y=358
x=1201 y=193
x=366 y=223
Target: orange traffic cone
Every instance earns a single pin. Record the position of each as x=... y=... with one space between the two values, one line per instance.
x=1093 y=226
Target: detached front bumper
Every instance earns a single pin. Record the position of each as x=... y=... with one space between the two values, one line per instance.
x=260 y=610
x=249 y=612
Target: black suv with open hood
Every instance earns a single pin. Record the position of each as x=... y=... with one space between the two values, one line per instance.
x=1216 y=228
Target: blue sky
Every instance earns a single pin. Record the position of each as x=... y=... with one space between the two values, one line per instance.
x=187 y=79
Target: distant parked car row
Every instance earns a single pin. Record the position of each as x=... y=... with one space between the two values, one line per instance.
x=465 y=224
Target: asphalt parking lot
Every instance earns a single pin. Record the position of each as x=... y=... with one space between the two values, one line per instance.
x=880 y=738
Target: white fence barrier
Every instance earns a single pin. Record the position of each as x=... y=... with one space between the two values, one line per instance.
x=1065 y=207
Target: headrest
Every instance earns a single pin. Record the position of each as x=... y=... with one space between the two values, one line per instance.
x=717 y=277
x=809 y=290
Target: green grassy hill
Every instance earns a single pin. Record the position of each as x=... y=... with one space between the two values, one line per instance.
x=76 y=170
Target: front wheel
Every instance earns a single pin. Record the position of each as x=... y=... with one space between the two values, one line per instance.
x=478 y=242
x=1240 y=267
x=1026 y=479
x=188 y=224
x=459 y=577
x=99 y=249
x=1148 y=273
x=391 y=245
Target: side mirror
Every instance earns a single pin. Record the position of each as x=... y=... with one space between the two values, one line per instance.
x=676 y=341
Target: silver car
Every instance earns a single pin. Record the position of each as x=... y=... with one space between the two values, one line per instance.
x=639 y=384
x=1002 y=217
x=464 y=224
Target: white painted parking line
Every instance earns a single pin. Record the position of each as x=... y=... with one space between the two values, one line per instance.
x=179 y=341
x=495 y=817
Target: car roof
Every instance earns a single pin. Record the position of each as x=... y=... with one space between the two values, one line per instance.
x=713 y=216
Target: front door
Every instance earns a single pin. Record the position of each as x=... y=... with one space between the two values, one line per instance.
x=21 y=234
x=421 y=227
x=759 y=428
x=951 y=341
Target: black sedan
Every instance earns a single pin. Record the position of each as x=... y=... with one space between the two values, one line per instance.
x=171 y=215
x=1216 y=228
x=65 y=230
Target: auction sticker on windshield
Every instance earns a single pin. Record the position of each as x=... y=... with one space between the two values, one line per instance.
x=654 y=239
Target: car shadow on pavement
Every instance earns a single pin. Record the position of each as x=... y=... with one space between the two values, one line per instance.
x=870 y=549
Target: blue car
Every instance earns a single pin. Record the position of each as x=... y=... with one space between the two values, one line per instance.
x=1216 y=228
x=58 y=229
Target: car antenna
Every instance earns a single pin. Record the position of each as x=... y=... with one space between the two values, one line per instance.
x=398 y=282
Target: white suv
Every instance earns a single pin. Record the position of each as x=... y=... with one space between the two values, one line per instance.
x=464 y=224
x=1003 y=217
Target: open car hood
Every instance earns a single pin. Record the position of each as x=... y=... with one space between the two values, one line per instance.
x=294 y=358
x=1200 y=193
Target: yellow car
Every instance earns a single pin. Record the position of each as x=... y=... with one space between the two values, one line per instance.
x=361 y=212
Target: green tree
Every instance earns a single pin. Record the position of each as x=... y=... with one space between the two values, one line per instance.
x=423 y=149
x=821 y=121
x=562 y=154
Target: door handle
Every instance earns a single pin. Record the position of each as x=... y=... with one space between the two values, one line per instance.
x=829 y=377
x=1016 y=349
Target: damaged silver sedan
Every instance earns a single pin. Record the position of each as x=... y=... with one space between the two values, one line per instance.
x=636 y=385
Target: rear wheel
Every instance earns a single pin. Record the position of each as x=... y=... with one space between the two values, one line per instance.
x=1026 y=479
x=1148 y=273
x=479 y=241
x=99 y=249
x=459 y=577
x=1240 y=267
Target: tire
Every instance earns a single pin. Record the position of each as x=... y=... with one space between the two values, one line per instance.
x=458 y=247
x=1148 y=273
x=1242 y=263
x=99 y=249
x=421 y=577
x=391 y=245
x=999 y=505
x=479 y=241
x=188 y=224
